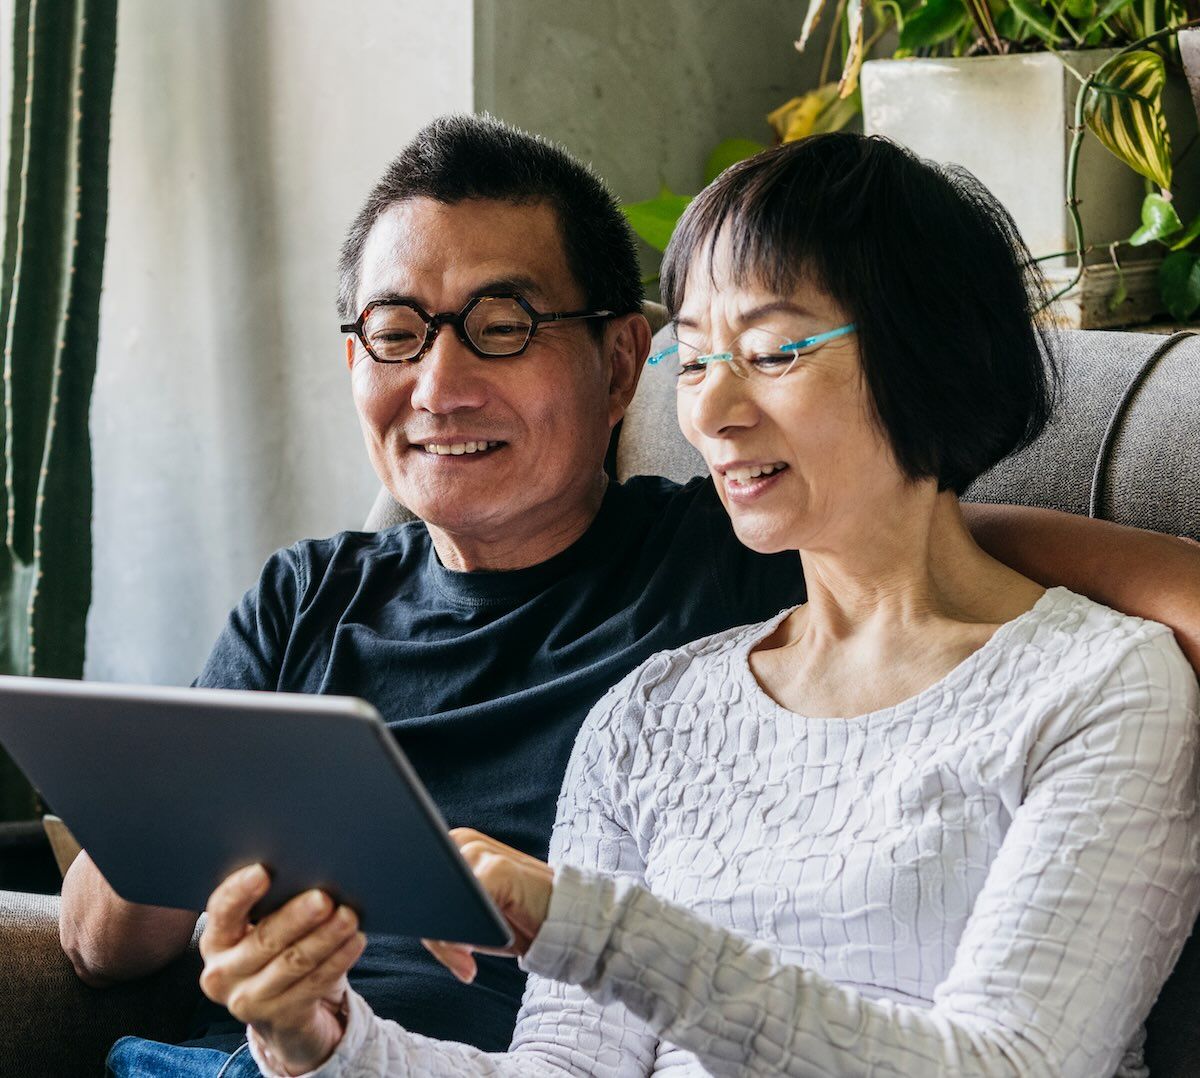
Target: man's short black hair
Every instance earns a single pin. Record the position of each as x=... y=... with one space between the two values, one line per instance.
x=456 y=158
x=924 y=260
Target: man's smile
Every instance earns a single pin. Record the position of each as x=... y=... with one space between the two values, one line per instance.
x=458 y=448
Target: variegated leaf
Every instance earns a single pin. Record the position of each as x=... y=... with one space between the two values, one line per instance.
x=1124 y=110
x=797 y=118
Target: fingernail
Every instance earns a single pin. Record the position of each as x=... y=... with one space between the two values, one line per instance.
x=253 y=876
x=315 y=902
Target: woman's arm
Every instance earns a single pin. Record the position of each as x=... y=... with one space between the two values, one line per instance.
x=279 y=978
x=1137 y=572
x=1082 y=917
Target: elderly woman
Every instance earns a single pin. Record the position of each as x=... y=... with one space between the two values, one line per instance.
x=936 y=820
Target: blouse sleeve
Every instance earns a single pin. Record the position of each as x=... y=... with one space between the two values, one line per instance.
x=560 y=1030
x=1080 y=920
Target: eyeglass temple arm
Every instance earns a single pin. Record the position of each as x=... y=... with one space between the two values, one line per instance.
x=563 y=316
x=820 y=338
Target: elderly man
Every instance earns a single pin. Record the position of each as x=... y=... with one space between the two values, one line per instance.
x=492 y=305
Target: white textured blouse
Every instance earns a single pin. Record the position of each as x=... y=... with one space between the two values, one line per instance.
x=994 y=877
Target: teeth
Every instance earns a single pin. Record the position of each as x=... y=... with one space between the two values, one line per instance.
x=457 y=449
x=744 y=475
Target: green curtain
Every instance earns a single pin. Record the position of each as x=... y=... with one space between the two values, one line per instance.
x=55 y=214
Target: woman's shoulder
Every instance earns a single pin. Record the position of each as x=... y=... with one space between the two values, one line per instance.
x=1093 y=646
x=1071 y=621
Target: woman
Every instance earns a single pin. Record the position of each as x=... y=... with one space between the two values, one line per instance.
x=936 y=820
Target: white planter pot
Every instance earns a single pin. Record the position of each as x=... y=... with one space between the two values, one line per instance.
x=1008 y=120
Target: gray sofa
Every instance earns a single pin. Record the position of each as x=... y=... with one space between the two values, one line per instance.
x=1124 y=445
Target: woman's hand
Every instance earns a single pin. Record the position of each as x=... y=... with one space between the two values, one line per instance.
x=520 y=886
x=285 y=976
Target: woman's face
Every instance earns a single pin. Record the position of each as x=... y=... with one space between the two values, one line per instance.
x=828 y=476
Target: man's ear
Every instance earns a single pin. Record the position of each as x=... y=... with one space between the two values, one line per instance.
x=627 y=343
x=350 y=342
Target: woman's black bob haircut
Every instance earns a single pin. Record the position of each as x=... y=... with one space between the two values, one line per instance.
x=958 y=362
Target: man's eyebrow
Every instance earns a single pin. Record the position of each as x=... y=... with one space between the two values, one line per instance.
x=519 y=284
x=392 y=297
x=751 y=314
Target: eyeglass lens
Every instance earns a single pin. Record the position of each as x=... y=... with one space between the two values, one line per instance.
x=494 y=326
x=757 y=351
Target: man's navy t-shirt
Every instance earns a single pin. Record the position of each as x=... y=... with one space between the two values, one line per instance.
x=486 y=678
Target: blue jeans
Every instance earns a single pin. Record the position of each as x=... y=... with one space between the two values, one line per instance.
x=132 y=1057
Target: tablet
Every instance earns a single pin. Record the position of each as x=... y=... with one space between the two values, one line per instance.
x=171 y=790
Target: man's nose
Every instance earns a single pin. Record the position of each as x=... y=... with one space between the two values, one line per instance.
x=449 y=378
x=722 y=402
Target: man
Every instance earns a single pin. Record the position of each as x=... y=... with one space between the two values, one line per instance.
x=490 y=294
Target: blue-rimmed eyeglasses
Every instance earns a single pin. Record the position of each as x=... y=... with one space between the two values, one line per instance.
x=493 y=327
x=753 y=352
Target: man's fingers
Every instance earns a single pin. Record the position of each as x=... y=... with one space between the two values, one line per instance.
x=307 y=965
x=229 y=907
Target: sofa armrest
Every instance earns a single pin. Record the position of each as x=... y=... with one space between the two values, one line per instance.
x=51 y=1023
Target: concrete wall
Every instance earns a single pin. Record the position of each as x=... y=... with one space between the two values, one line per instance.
x=643 y=91
x=245 y=135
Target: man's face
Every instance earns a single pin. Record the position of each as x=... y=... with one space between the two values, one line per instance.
x=550 y=410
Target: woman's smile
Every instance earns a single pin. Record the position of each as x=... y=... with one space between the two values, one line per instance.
x=745 y=481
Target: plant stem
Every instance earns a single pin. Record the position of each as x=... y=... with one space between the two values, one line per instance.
x=1060 y=17
x=827 y=59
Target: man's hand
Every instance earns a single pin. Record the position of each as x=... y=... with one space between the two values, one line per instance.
x=109 y=940
x=285 y=976
x=520 y=886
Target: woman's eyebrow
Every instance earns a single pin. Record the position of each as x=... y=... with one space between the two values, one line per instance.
x=752 y=314
x=773 y=307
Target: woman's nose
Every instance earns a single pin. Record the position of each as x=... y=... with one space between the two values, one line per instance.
x=722 y=402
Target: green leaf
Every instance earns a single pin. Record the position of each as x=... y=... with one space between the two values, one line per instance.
x=1189 y=235
x=655 y=219
x=1081 y=9
x=1039 y=21
x=1008 y=25
x=1159 y=220
x=1113 y=7
x=932 y=23
x=1179 y=284
x=727 y=153
x=1124 y=110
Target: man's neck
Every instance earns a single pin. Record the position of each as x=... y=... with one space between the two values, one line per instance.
x=519 y=545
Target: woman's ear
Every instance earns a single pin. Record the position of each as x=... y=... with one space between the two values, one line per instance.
x=627 y=343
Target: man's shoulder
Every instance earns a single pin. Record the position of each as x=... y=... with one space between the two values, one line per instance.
x=660 y=495
x=348 y=551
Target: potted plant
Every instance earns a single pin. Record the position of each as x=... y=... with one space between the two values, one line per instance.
x=1004 y=88
x=1005 y=100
